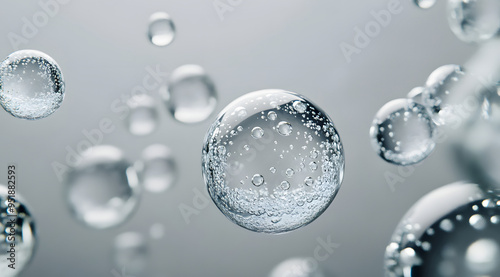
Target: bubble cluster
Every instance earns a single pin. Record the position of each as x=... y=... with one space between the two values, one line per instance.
x=474 y=20
x=297 y=267
x=403 y=132
x=190 y=96
x=31 y=85
x=102 y=190
x=161 y=29
x=16 y=226
x=157 y=169
x=255 y=161
x=452 y=231
x=143 y=117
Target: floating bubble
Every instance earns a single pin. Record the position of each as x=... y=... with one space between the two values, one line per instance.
x=416 y=95
x=191 y=96
x=161 y=29
x=157 y=169
x=143 y=117
x=31 y=85
x=425 y=4
x=130 y=253
x=474 y=20
x=269 y=190
x=402 y=132
x=297 y=267
x=446 y=234
x=102 y=188
x=16 y=226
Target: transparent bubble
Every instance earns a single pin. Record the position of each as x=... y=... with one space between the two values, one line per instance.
x=157 y=169
x=23 y=233
x=437 y=97
x=161 y=29
x=425 y=4
x=402 y=132
x=130 y=253
x=474 y=20
x=446 y=234
x=297 y=267
x=263 y=189
x=143 y=117
x=416 y=94
x=31 y=85
x=102 y=188
x=191 y=96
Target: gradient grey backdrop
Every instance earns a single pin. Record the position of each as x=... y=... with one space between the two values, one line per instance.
x=103 y=51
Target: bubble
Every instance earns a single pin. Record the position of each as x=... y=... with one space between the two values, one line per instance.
x=425 y=4
x=23 y=233
x=402 y=132
x=31 y=85
x=297 y=267
x=102 y=188
x=272 y=115
x=191 y=96
x=299 y=106
x=474 y=20
x=161 y=29
x=157 y=169
x=434 y=239
x=416 y=95
x=282 y=201
x=284 y=128
x=143 y=118
x=130 y=253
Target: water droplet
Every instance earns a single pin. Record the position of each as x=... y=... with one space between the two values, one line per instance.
x=143 y=118
x=284 y=128
x=130 y=253
x=257 y=133
x=31 y=85
x=272 y=115
x=425 y=4
x=161 y=30
x=299 y=106
x=102 y=188
x=474 y=20
x=190 y=96
x=402 y=132
x=157 y=169
x=258 y=180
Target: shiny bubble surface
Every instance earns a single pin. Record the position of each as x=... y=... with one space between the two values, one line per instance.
x=157 y=169
x=143 y=117
x=425 y=4
x=474 y=20
x=31 y=85
x=191 y=96
x=130 y=253
x=449 y=232
x=23 y=233
x=161 y=29
x=255 y=165
x=297 y=267
x=102 y=188
x=402 y=132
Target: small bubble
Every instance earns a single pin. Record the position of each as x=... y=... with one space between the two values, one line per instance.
x=299 y=106
x=272 y=115
x=284 y=128
x=272 y=169
x=313 y=166
x=257 y=133
x=257 y=180
x=161 y=31
x=289 y=172
x=285 y=185
x=309 y=181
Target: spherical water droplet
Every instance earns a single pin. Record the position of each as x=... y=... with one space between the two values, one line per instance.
x=190 y=96
x=102 y=188
x=157 y=169
x=474 y=20
x=24 y=235
x=257 y=133
x=284 y=128
x=298 y=267
x=257 y=180
x=272 y=115
x=31 y=85
x=130 y=253
x=402 y=132
x=425 y=4
x=299 y=106
x=143 y=118
x=271 y=208
x=161 y=30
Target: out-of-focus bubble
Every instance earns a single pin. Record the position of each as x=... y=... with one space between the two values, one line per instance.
x=437 y=97
x=402 y=132
x=16 y=227
x=425 y=4
x=190 y=96
x=31 y=85
x=161 y=29
x=102 y=188
x=255 y=161
x=449 y=232
x=157 y=168
x=143 y=117
x=157 y=231
x=297 y=267
x=474 y=20
x=130 y=253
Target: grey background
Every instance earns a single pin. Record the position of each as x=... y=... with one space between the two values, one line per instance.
x=103 y=51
